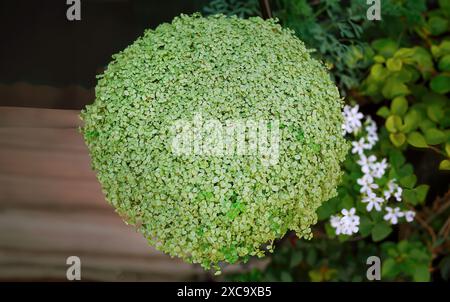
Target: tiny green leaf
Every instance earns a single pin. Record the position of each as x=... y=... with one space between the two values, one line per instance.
x=435 y=136
x=365 y=226
x=379 y=59
x=394 y=64
x=417 y=140
x=437 y=25
x=421 y=192
x=410 y=196
x=393 y=123
x=444 y=165
x=385 y=47
x=408 y=181
x=411 y=121
x=393 y=88
x=444 y=63
x=435 y=112
x=388 y=268
x=381 y=231
x=397 y=139
x=378 y=72
x=426 y=124
x=440 y=84
x=383 y=112
x=399 y=105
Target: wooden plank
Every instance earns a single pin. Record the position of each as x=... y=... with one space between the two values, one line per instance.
x=35 y=191
x=25 y=94
x=39 y=118
x=45 y=163
x=108 y=249
x=61 y=139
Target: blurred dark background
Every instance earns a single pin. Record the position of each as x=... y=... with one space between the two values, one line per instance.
x=47 y=61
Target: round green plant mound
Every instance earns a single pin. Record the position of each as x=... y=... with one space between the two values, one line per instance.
x=205 y=207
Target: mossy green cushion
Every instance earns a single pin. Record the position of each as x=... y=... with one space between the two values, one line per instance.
x=209 y=209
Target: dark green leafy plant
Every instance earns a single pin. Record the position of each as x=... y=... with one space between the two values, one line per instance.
x=407 y=260
x=318 y=260
x=416 y=80
x=240 y=8
x=334 y=29
x=400 y=18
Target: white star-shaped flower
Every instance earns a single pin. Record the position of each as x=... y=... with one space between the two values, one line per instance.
x=366 y=162
x=393 y=215
x=367 y=184
x=392 y=186
x=409 y=215
x=372 y=139
x=398 y=194
x=352 y=119
x=371 y=126
x=349 y=221
x=335 y=222
x=359 y=146
x=373 y=201
x=379 y=168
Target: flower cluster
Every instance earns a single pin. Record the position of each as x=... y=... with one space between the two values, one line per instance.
x=352 y=119
x=373 y=195
x=347 y=223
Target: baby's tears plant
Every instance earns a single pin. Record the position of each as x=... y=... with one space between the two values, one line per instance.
x=210 y=209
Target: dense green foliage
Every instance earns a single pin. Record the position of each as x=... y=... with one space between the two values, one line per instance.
x=205 y=208
x=242 y=9
x=416 y=80
x=397 y=70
